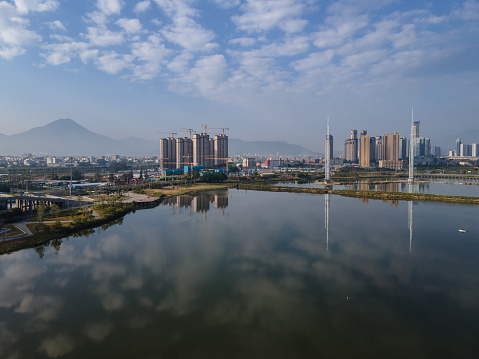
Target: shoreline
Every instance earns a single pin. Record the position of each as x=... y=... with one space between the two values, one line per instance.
x=45 y=237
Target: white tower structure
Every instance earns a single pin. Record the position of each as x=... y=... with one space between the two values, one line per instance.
x=411 y=150
x=326 y=175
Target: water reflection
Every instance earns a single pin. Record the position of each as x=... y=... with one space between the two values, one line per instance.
x=257 y=283
x=199 y=204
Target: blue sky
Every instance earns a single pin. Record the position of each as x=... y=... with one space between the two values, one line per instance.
x=265 y=69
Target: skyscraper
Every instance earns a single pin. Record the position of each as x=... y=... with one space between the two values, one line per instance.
x=364 y=149
x=221 y=150
x=201 y=149
x=458 y=147
x=351 y=147
x=329 y=139
x=184 y=152
x=168 y=153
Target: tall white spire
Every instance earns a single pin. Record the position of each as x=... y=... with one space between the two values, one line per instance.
x=411 y=149
x=328 y=155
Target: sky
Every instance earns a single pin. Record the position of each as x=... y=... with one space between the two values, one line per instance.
x=264 y=69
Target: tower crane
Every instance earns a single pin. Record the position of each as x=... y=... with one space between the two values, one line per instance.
x=207 y=124
x=220 y=128
x=172 y=133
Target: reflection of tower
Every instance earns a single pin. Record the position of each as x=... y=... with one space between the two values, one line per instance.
x=328 y=156
x=410 y=225
x=326 y=218
x=410 y=218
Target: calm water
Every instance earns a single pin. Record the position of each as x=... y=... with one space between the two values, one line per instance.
x=451 y=188
x=244 y=274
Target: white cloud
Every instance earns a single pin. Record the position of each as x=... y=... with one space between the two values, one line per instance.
x=25 y=6
x=57 y=54
x=8 y=53
x=180 y=63
x=315 y=60
x=56 y=25
x=205 y=77
x=226 y=4
x=263 y=15
x=468 y=11
x=292 y=46
x=339 y=29
x=142 y=6
x=112 y=62
x=243 y=41
x=185 y=31
x=149 y=56
x=130 y=26
x=110 y=7
x=364 y=59
x=13 y=29
x=100 y=36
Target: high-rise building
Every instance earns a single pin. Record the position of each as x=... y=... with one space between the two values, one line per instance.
x=402 y=148
x=330 y=145
x=168 y=153
x=351 y=150
x=364 y=149
x=465 y=150
x=372 y=149
x=184 y=152
x=221 y=150
x=379 y=148
x=437 y=151
x=391 y=154
x=458 y=147
x=201 y=149
x=475 y=150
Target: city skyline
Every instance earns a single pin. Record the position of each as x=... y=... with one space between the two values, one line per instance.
x=278 y=67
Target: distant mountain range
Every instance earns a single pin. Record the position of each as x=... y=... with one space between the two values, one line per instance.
x=66 y=137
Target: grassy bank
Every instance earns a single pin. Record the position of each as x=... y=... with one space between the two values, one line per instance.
x=181 y=190
x=48 y=232
x=398 y=196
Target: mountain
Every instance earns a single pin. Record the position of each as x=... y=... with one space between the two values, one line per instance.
x=65 y=137
x=449 y=142
x=273 y=148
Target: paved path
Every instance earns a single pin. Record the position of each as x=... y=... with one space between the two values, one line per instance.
x=138 y=198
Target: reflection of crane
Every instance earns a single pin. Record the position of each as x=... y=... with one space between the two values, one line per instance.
x=207 y=124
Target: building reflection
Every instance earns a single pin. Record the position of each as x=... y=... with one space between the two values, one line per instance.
x=199 y=204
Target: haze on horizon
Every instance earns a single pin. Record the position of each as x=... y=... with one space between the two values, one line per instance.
x=268 y=70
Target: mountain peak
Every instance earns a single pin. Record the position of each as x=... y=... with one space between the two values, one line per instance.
x=63 y=123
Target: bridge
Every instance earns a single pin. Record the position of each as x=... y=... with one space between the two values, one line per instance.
x=30 y=203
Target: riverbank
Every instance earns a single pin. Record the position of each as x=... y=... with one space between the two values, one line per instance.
x=54 y=230
x=397 y=196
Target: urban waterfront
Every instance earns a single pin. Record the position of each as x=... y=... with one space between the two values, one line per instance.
x=252 y=274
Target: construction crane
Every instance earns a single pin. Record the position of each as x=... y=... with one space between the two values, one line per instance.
x=172 y=133
x=190 y=130
x=220 y=128
x=207 y=124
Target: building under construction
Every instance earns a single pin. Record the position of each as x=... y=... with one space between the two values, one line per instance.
x=200 y=150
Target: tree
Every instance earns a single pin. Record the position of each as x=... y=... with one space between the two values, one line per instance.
x=54 y=210
x=40 y=213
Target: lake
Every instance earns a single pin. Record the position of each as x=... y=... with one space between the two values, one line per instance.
x=449 y=188
x=245 y=274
